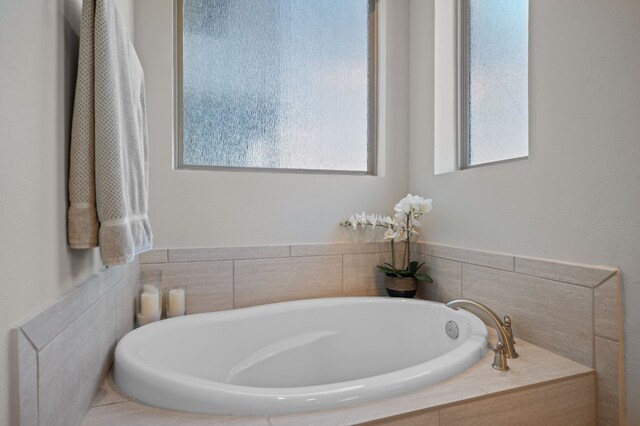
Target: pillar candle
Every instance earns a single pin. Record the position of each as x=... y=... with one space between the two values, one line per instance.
x=176 y=302
x=150 y=304
x=149 y=288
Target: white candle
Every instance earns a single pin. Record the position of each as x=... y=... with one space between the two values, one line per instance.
x=149 y=288
x=150 y=304
x=176 y=302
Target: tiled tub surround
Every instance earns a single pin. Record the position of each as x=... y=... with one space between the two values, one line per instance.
x=572 y=310
x=65 y=351
x=541 y=389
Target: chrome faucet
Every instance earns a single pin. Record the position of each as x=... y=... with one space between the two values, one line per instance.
x=505 y=347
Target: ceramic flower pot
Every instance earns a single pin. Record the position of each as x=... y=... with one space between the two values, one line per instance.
x=401 y=286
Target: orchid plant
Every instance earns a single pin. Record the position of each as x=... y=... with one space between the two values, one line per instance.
x=399 y=227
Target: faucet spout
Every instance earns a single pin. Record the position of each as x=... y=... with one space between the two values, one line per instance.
x=505 y=333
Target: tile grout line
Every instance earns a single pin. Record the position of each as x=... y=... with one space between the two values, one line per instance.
x=342 y=276
x=220 y=260
x=461 y=280
x=608 y=339
x=115 y=325
x=37 y=386
x=19 y=327
x=37 y=353
x=108 y=404
x=593 y=325
x=342 y=254
x=606 y=279
x=595 y=360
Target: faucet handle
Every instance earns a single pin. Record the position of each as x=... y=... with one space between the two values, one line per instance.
x=507 y=327
x=500 y=358
x=510 y=349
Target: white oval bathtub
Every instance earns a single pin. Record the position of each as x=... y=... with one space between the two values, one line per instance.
x=296 y=356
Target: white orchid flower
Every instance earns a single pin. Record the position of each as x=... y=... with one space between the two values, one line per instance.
x=363 y=219
x=373 y=220
x=403 y=206
x=353 y=222
x=389 y=234
x=400 y=217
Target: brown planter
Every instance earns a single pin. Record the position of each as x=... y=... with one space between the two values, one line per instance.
x=401 y=286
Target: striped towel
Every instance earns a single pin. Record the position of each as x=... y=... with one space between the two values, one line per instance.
x=108 y=165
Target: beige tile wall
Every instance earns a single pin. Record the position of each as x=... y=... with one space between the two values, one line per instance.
x=237 y=277
x=567 y=403
x=27 y=380
x=572 y=310
x=65 y=351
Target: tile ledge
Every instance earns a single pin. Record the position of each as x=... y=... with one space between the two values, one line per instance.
x=559 y=281
x=610 y=269
x=591 y=269
x=491 y=394
x=226 y=247
x=468 y=249
x=81 y=294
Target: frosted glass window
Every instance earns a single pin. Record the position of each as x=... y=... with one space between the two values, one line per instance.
x=497 y=92
x=284 y=84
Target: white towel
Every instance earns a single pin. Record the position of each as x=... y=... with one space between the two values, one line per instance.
x=108 y=167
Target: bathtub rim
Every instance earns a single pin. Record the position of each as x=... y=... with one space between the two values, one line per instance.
x=473 y=348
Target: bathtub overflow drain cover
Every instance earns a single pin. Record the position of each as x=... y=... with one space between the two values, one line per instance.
x=452 y=329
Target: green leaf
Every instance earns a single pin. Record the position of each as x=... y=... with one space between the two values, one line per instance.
x=414 y=266
x=420 y=276
x=387 y=270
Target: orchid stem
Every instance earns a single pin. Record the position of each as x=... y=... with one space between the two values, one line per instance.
x=393 y=254
x=408 y=241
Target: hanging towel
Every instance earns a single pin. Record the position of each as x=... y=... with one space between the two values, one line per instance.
x=108 y=165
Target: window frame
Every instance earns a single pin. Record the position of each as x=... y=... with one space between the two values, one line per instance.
x=372 y=118
x=463 y=88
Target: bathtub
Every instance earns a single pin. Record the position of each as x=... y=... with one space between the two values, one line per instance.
x=297 y=356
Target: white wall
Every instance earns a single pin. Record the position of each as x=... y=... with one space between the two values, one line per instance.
x=38 y=54
x=577 y=198
x=207 y=208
